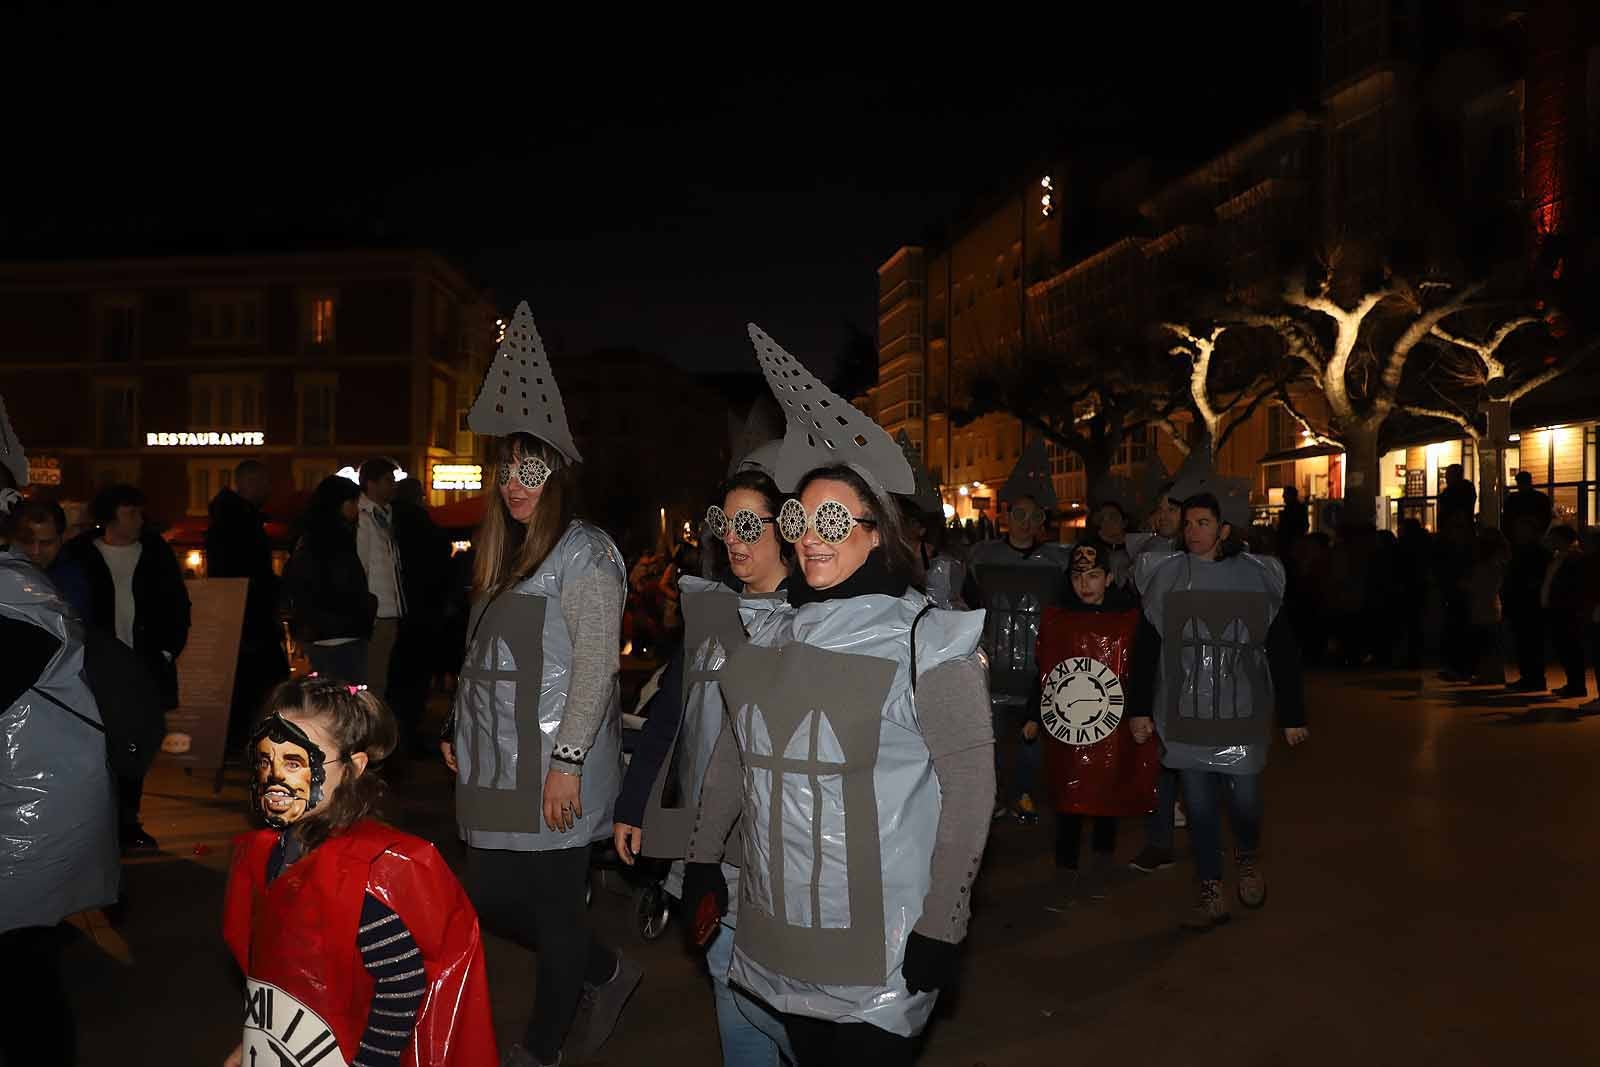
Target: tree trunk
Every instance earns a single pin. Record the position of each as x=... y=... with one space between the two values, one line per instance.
x=1361 y=479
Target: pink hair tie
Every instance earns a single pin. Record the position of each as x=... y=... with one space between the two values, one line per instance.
x=354 y=689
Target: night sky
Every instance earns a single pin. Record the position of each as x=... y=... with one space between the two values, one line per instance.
x=653 y=196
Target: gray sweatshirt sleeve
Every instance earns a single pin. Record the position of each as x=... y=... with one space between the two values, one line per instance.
x=592 y=607
x=721 y=800
x=953 y=708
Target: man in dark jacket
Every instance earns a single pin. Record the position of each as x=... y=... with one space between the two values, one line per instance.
x=1561 y=596
x=1519 y=597
x=41 y=529
x=425 y=572
x=1527 y=502
x=136 y=592
x=237 y=547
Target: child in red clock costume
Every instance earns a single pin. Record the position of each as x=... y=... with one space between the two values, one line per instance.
x=358 y=946
x=1094 y=765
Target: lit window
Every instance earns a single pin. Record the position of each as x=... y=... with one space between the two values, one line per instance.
x=322 y=320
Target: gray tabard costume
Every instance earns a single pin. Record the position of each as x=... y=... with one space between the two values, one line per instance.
x=509 y=704
x=841 y=803
x=946 y=576
x=713 y=631
x=1016 y=589
x=58 y=846
x=1214 y=695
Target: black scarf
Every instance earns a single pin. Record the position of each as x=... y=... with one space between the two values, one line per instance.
x=871 y=577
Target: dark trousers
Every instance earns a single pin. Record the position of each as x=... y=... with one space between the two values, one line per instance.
x=410 y=672
x=1456 y=639
x=130 y=793
x=825 y=1043
x=1527 y=634
x=1567 y=641
x=36 y=1026
x=537 y=900
x=1069 y=831
x=262 y=665
x=1202 y=792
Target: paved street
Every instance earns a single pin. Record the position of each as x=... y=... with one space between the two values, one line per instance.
x=1432 y=863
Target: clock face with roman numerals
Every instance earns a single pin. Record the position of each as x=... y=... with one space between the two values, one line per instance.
x=1082 y=701
x=279 y=1031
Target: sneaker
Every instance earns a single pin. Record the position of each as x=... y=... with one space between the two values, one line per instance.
x=1151 y=859
x=1067 y=894
x=1027 y=812
x=1568 y=691
x=600 y=1009
x=1209 y=910
x=1527 y=685
x=1180 y=818
x=1252 y=890
x=1589 y=707
x=1001 y=811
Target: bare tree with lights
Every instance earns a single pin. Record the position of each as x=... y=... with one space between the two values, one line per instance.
x=1356 y=343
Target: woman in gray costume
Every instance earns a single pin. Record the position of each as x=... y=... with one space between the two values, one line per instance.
x=535 y=736
x=855 y=757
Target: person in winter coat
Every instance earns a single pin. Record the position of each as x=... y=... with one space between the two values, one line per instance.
x=58 y=845
x=137 y=593
x=325 y=585
x=237 y=546
x=425 y=572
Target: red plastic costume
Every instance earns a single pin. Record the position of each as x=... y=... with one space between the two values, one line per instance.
x=296 y=942
x=1092 y=763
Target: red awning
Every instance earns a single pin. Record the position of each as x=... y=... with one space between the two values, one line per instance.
x=463 y=514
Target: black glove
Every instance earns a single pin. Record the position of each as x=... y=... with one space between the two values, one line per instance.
x=703 y=882
x=930 y=964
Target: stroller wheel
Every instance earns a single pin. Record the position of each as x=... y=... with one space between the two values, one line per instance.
x=652 y=910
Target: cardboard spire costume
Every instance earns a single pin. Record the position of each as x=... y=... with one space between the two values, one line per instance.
x=519 y=394
x=1214 y=695
x=512 y=697
x=839 y=809
x=926 y=498
x=823 y=429
x=1016 y=585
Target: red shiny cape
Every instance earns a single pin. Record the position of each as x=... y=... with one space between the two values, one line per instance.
x=299 y=934
x=1114 y=775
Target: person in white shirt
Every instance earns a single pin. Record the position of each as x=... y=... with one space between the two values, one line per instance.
x=381 y=560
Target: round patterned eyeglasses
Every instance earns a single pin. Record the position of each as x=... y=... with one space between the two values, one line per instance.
x=531 y=472
x=832 y=521
x=745 y=524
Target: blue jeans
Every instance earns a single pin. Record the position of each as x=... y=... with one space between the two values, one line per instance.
x=1200 y=796
x=347 y=662
x=752 y=1034
x=1008 y=720
x=1158 y=824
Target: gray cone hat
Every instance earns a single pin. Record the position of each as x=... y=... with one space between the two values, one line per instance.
x=756 y=441
x=11 y=454
x=1031 y=477
x=823 y=429
x=1197 y=476
x=519 y=393
x=926 y=498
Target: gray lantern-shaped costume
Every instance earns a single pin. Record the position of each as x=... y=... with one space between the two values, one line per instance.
x=515 y=680
x=1214 y=697
x=840 y=804
x=1017 y=585
x=58 y=847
